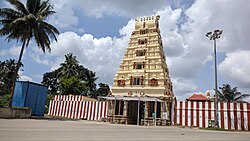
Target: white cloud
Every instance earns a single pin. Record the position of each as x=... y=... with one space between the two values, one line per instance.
x=23 y=77
x=12 y=51
x=237 y=67
x=128 y=8
x=38 y=56
x=102 y=55
x=183 y=87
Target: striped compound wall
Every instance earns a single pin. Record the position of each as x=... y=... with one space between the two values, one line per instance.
x=232 y=116
x=75 y=108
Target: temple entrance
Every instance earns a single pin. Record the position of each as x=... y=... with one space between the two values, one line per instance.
x=135 y=113
x=137 y=110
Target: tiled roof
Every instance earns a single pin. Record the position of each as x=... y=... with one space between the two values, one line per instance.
x=197 y=97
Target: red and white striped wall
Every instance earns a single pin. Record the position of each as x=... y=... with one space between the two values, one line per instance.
x=232 y=116
x=73 y=107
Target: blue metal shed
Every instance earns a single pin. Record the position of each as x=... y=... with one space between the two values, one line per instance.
x=29 y=94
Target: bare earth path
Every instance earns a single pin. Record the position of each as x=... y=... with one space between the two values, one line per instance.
x=56 y=130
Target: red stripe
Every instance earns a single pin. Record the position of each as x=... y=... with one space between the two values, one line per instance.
x=197 y=114
x=209 y=110
x=235 y=117
x=85 y=114
x=222 y=114
x=70 y=109
x=58 y=108
x=215 y=114
x=67 y=109
x=242 y=116
x=87 y=109
x=229 y=115
x=186 y=113
x=61 y=107
x=93 y=109
x=54 y=108
x=175 y=112
x=81 y=107
x=64 y=108
x=61 y=112
x=192 y=114
x=105 y=109
x=180 y=112
x=248 y=115
x=100 y=111
x=50 y=104
x=90 y=107
x=75 y=111
x=203 y=114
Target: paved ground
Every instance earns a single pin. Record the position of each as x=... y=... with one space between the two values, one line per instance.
x=56 y=130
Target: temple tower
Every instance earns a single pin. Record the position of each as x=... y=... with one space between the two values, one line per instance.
x=143 y=71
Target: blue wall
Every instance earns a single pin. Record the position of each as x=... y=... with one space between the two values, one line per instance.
x=29 y=94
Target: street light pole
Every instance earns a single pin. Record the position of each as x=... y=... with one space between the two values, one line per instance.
x=213 y=36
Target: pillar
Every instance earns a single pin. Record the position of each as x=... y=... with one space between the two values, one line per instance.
x=146 y=109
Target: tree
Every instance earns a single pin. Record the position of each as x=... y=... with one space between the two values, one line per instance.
x=90 y=83
x=71 y=78
x=70 y=66
x=51 y=80
x=25 y=22
x=72 y=85
x=103 y=89
x=7 y=69
x=229 y=94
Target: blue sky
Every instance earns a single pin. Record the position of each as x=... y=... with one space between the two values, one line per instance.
x=98 y=32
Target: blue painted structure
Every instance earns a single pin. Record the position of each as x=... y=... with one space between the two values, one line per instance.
x=29 y=94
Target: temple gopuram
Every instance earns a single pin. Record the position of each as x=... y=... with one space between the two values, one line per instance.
x=142 y=91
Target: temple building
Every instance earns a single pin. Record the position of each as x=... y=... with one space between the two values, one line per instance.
x=142 y=89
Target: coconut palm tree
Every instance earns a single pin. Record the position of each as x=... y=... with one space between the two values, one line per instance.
x=25 y=22
x=229 y=94
x=70 y=66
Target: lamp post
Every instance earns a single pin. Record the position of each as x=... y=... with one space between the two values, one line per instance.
x=213 y=36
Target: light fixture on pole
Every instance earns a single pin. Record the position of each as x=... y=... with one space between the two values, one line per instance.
x=213 y=36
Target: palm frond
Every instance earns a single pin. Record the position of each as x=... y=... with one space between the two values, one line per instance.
x=31 y=5
x=8 y=13
x=19 y=6
x=49 y=29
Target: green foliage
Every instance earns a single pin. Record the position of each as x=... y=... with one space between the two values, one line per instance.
x=72 y=85
x=4 y=100
x=7 y=70
x=103 y=89
x=23 y=22
x=71 y=78
x=229 y=94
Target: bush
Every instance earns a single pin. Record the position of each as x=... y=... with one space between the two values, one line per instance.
x=4 y=100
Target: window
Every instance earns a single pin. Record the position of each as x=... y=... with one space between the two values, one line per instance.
x=142 y=42
x=138 y=80
x=140 y=52
x=139 y=65
x=144 y=31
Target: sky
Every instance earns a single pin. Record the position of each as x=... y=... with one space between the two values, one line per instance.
x=97 y=33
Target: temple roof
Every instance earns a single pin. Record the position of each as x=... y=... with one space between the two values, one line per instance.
x=197 y=97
